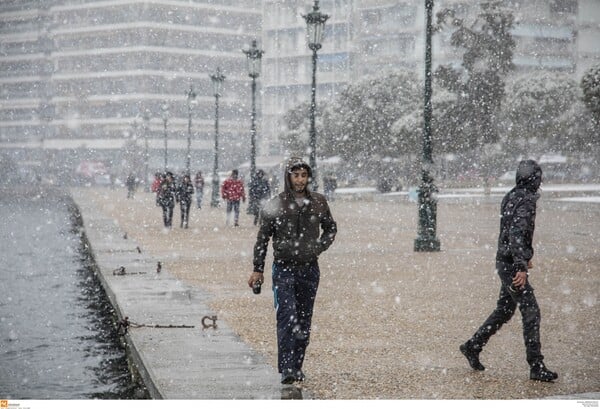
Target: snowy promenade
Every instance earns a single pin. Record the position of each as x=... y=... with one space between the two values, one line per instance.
x=388 y=321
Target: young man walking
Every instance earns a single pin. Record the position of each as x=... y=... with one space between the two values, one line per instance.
x=302 y=227
x=185 y=192
x=513 y=261
x=166 y=198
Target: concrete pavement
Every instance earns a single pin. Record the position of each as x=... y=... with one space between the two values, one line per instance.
x=202 y=362
x=177 y=361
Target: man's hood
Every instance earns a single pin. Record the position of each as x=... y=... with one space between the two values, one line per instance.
x=295 y=163
x=529 y=175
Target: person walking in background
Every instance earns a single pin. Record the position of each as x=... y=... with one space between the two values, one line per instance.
x=185 y=192
x=130 y=182
x=166 y=198
x=259 y=192
x=232 y=190
x=199 y=185
x=302 y=227
x=329 y=186
x=158 y=178
x=513 y=261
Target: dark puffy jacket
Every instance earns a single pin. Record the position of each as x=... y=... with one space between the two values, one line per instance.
x=185 y=192
x=518 y=211
x=166 y=194
x=296 y=230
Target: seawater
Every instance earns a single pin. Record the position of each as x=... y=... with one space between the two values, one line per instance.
x=57 y=337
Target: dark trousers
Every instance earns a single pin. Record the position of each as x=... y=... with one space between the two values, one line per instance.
x=295 y=290
x=167 y=215
x=185 y=212
x=506 y=305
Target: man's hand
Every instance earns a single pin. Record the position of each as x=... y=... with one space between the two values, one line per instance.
x=519 y=280
x=255 y=276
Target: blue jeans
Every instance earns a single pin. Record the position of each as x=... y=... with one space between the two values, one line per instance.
x=199 y=195
x=233 y=205
x=294 y=290
x=167 y=215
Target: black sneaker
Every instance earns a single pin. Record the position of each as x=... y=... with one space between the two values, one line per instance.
x=472 y=356
x=539 y=372
x=287 y=377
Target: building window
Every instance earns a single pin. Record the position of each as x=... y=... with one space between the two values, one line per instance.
x=563 y=6
x=333 y=62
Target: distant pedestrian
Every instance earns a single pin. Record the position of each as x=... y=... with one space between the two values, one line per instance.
x=158 y=177
x=185 y=192
x=166 y=198
x=329 y=186
x=302 y=227
x=199 y=185
x=259 y=193
x=513 y=261
x=232 y=190
x=131 y=183
x=274 y=182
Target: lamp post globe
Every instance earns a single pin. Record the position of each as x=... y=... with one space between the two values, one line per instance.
x=217 y=80
x=253 y=60
x=315 y=22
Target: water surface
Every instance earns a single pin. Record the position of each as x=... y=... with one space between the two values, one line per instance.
x=57 y=339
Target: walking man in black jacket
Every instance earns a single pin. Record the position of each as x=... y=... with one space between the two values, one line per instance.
x=294 y=219
x=165 y=198
x=513 y=261
x=185 y=192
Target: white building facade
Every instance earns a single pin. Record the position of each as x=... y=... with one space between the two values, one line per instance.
x=91 y=75
x=78 y=74
x=369 y=37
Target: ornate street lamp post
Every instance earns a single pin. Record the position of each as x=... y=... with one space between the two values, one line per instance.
x=217 y=80
x=191 y=100
x=426 y=239
x=254 y=56
x=315 y=22
x=146 y=118
x=165 y=117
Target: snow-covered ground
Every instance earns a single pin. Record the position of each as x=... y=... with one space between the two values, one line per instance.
x=591 y=191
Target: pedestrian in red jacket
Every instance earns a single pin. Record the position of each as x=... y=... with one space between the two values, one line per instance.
x=233 y=191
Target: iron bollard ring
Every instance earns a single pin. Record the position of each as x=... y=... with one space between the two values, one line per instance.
x=213 y=319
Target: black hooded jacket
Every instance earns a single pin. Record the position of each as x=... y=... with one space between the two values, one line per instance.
x=518 y=211
x=296 y=230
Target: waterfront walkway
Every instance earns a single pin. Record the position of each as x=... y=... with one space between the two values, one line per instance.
x=180 y=347
x=388 y=321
